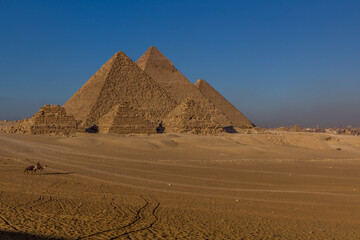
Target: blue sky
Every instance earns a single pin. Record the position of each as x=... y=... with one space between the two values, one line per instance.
x=279 y=62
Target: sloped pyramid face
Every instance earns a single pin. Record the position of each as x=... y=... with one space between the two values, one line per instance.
x=235 y=116
x=190 y=117
x=124 y=119
x=50 y=119
x=160 y=69
x=118 y=81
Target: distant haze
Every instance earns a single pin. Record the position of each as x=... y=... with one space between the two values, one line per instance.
x=280 y=62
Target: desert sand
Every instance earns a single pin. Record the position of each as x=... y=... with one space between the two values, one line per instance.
x=262 y=185
x=128 y=181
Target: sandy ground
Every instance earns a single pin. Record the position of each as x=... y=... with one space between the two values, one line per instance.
x=273 y=185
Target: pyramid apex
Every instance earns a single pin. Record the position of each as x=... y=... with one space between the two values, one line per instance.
x=153 y=48
x=200 y=82
x=153 y=56
x=154 y=51
x=120 y=53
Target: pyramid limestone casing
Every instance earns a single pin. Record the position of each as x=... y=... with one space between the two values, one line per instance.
x=124 y=119
x=50 y=120
x=189 y=117
x=118 y=81
x=162 y=70
x=235 y=116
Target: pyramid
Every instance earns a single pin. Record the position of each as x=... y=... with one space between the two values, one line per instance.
x=189 y=117
x=118 y=81
x=296 y=128
x=50 y=120
x=154 y=63
x=123 y=119
x=235 y=116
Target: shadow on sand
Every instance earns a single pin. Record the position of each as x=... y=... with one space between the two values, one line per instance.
x=57 y=173
x=7 y=235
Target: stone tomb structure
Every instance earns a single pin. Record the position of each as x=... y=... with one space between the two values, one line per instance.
x=119 y=81
x=163 y=71
x=189 y=117
x=49 y=120
x=148 y=96
x=235 y=116
x=124 y=119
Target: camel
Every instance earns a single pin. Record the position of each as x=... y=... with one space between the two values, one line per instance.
x=29 y=168
x=39 y=167
x=33 y=168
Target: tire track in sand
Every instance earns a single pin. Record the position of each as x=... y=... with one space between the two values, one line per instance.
x=142 y=217
x=148 y=227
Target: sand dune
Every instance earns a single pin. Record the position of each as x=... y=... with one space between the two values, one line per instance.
x=265 y=185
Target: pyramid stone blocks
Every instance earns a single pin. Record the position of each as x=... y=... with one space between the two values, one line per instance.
x=50 y=120
x=120 y=80
x=162 y=70
x=235 y=116
x=143 y=97
x=124 y=119
x=189 y=117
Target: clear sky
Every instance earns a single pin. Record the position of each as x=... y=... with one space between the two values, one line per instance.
x=279 y=62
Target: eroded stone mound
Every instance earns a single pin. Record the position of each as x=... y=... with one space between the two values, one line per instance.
x=124 y=119
x=235 y=116
x=49 y=120
x=119 y=80
x=188 y=117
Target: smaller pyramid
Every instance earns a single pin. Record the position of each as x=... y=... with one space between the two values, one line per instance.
x=296 y=128
x=49 y=120
x=124 y=119
x=189 y=117
x=235 y=116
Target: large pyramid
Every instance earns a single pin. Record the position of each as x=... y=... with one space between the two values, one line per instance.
x=119 y=81
x=236 y=117
x=154 y=63
x=189 y=117
x=143 y=97
x=123 y=119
